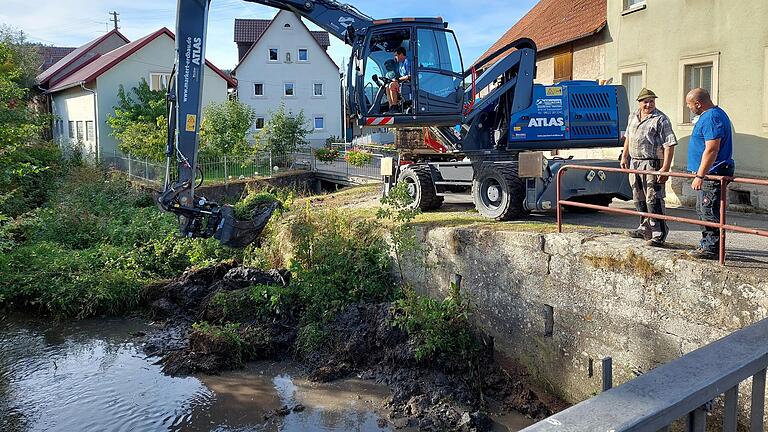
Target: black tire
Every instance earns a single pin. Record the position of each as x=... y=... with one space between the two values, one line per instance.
x=499 y=193
x=420 y=187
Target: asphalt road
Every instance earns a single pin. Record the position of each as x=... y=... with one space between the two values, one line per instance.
x=742 y=250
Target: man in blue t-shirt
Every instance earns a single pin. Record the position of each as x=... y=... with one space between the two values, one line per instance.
x=403 y=76
x=710 y=151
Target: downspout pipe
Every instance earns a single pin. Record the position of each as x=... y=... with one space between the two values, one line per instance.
x=95 y=120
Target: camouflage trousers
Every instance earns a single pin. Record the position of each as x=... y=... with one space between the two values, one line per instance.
x=648 y=195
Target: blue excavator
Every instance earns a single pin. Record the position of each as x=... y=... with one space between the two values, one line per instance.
x=492 y=144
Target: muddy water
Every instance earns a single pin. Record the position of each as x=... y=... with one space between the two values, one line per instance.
x=92 y=376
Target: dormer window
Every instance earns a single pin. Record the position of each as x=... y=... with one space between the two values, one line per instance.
x=287 y=26
x=288 y=57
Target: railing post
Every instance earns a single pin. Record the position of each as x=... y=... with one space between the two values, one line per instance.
x=559 y=210
x=758 y=402
x=731 y=400
x=226 y=177
x=697 y=420
x=723 y=201
x=270 y=163
x=146 y=169
x=129 y=165
x=607 y=373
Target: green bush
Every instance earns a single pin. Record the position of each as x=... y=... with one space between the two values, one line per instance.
x=253 y=201
x=93 y=246
x=358 y=157
x=261 y=301
x=440 y=329
x=338 y=260
x=326 y=154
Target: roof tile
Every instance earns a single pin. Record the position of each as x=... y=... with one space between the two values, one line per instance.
x=555 y=22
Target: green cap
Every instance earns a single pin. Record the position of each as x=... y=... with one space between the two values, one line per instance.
x=645 y=94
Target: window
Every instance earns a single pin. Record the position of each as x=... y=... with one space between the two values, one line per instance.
x=303 y=55
x=564 y=65
x=440 y=71
x=288 y=57
x=317 y=89
x=90 y=131
x=633 y=5
x=258 y=89
x=72 y=130
x=158 y=81
x=259 y=124
x=80 y=131
x=697 y=71
x=288 y=89
x=286 y=26
x=319 y=122
x=273 y=54
x=633 y=79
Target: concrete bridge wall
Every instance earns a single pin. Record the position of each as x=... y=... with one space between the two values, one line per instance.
x=607 y=295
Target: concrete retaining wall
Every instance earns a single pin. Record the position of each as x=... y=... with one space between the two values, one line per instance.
x=642 y=321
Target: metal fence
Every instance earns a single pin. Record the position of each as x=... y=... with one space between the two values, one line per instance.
x=225 y=169
x=684 y=388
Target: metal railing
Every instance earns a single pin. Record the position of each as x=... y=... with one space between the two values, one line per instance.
x=223 y=169
x=226 y=169
x=722 y=225
x=682 y=388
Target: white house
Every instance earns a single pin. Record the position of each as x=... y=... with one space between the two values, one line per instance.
x=82 y=98
x=282 y=61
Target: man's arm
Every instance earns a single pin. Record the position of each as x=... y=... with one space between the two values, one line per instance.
x=711 y=148
x=669 y=155
x=625 y=153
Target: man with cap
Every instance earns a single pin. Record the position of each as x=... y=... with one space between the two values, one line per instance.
x=649 y=145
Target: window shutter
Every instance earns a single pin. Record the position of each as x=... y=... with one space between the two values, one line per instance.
x=564 y=65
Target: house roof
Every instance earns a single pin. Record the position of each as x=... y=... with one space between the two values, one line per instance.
x=105 y=62
x=556 y=22
x=52 y=54
x=250 y=31
x=76 y=54
x=253 y=45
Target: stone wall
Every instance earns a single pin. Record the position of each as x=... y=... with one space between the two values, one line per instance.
x=608 y=296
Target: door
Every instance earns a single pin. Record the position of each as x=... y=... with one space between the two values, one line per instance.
x=439 y=73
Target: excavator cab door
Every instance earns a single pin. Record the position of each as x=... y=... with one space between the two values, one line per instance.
x=433 y=91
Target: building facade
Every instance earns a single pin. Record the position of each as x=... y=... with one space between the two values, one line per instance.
x=288 y=64
x=82 y=100
x=672 y=46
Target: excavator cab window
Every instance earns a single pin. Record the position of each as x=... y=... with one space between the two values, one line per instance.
x=434 y=92
x=381 y=69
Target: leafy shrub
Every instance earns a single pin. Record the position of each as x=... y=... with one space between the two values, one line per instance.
x=254 y=201
x=327 y=154
x=261 y=301
x=440 y=329
x=311 y=337
x=93 y=246
x=358 y=157
x=336 y=261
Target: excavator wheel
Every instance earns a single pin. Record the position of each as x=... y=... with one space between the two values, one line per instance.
x=420 y=187
x=499 y=193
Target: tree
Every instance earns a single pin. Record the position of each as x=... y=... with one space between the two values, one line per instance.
x=283 y=133
x=139 y=122
x=225 y=127
x=22 y=151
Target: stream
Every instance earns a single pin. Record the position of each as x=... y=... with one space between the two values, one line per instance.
x=92 y=375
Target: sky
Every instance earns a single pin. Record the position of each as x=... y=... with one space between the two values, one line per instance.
x=478 y=24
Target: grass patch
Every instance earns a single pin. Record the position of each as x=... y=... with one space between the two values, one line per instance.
x=629 y=263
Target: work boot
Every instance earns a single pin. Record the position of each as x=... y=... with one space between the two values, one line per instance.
x=656 y=242
x=636 y=233
x=702 y=253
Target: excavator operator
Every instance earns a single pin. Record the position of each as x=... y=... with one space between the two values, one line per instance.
x=403 y=76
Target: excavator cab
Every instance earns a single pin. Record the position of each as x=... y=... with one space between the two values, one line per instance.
x=432 y=95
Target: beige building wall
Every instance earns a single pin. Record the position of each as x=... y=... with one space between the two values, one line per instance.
x=664 y=36
x=75 y=105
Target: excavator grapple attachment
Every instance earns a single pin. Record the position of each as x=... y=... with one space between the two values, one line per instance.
x=240 y=233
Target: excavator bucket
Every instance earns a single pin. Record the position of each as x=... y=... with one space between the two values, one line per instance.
x=240 y=233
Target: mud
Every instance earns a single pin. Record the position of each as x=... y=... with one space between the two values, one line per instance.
x=444 y=395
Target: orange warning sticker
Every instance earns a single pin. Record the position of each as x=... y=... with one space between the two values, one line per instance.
x=554 y=91
x=191 y=122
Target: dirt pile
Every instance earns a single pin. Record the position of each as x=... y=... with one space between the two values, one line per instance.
x=443 y=395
